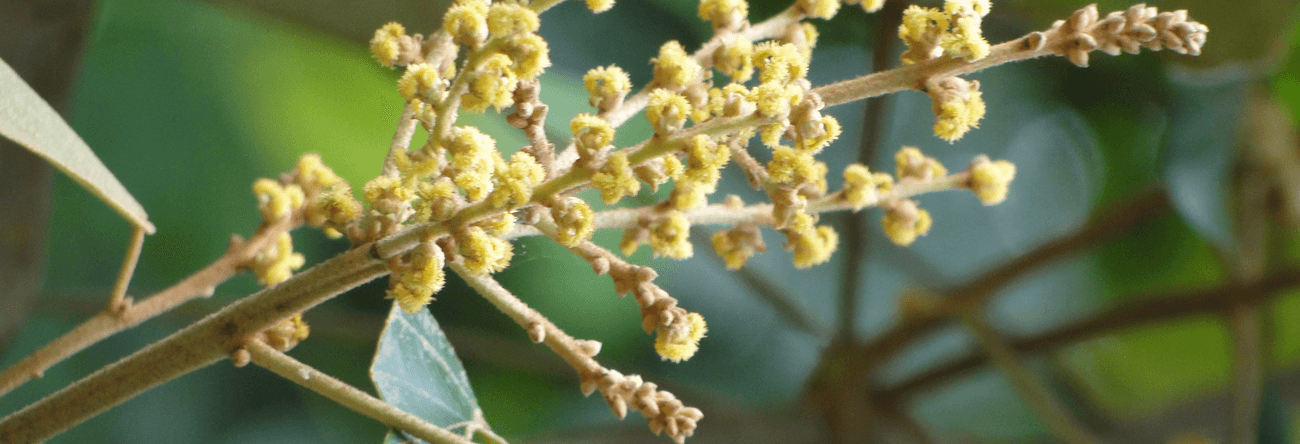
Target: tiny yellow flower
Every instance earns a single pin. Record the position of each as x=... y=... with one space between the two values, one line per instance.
x=608 y=85
x=724 y=14
x=615 y=179
x=680 y=346
x=575 y=221
x=822 y=9
x=915 y=165
x=385 y=46
x=505 y=19
x=903 y=222
x=674 y=68
x=667 y=111
x=413 y=287
x=466 y=22
x=515 y=184
x=492 y=84
x=669 y=236
x=483 y=253
x=421 y=82
x=989 y=180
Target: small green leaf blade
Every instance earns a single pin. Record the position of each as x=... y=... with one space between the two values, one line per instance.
x=416 y=369
x=29 y=121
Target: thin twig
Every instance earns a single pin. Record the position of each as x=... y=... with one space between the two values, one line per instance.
x=1244 y=320
x=348 y=396
x=401 y=140
x=197 y=346
x=117 y=301
x=1030 y=388
x=110 y=322
x=1156 y=309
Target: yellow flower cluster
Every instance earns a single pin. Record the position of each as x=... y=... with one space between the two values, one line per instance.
x=669 y=236
x=724 y=14
x=957 y=104
x=954 y=31
x=277 y=201
x=811 y=244
x=678 y=345
x=667 y=111
x=989 y=180
x=391 y=46
x=913 y=165
x=674 y=68
x=574 y=220
x=737 y=245
x=514 y=183
x=276 y=263
x=607 y=86
x=704 y=161
x=615 y=179
x=904 y=221
x=413 y=284
x=862 y=188
x=483 y=252
x=475 y=159
x=591 y=134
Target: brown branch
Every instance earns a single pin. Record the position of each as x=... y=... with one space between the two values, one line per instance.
x=126 y=315
x=1155 y=309
x=1029 y=386
x=1112 y=222
x=197 y=346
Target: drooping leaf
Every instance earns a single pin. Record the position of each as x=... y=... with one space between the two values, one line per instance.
x=416 y=369
x=28 y=120
x=1196 y=158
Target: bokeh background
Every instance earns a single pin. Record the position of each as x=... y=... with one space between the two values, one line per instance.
x=189 y=102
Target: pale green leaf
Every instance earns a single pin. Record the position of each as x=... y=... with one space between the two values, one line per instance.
x=29 y=121
x=415 y=369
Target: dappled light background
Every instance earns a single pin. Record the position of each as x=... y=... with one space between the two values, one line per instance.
x=189 y=102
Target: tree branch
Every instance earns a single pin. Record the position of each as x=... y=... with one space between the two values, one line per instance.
x=1112 y=222
x=1030 y=388
x=194 y=347
x=1155 y=309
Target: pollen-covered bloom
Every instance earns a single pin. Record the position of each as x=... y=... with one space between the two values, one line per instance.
x=724 y=14
x=608 y=85
x=989 y=180
x=680 y=344
x=466 y=22
x=505 y=19
x=862 y=188
x=737 y=245
x=735 y=58
x=615 y=179
x=483 y=253
x=492 y=84
x=811 y=244
x=904 y=221
x=386 y=45
x=599 y=6
x=421 y=82
x=822 y=9
x=957 y=104
x=667 y=111
x=515 y=183
x=591 y=134
x=276 y=263
x=474 y=156
x=529 y=54
x=574 y=220
x=277 y=201
x=912 y=164
x=414 y=284
x=669 y=236
x=674 y=68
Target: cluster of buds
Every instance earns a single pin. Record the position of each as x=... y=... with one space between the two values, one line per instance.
x=953 y=31
x=1128 y=31
x=664 y=411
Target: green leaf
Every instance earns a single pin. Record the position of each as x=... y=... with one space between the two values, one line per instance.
x=1197 y=156
x=28 y=120
x=415 y=369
